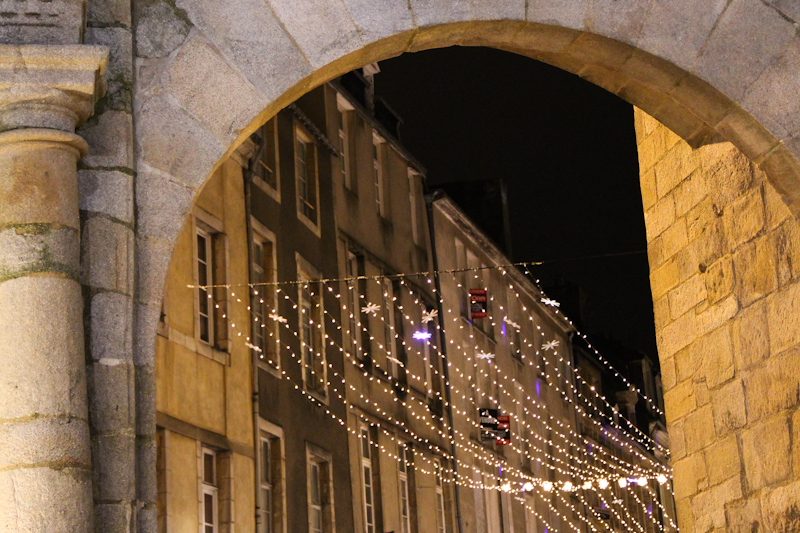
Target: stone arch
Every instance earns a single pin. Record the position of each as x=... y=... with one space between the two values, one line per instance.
x=211 y=71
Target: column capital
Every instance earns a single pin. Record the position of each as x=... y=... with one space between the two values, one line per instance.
x=50 y=86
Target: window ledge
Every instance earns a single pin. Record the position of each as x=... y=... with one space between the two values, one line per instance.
x=322 y=398
x=199 y=347
x=275 y=371
x=308 y=223
x=267 y=188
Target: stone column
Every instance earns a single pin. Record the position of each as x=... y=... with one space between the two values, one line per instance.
x=45 y=457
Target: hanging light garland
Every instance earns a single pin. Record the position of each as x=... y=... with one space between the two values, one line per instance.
x=591 y=481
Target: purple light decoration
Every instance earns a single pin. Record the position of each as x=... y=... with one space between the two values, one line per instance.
x=504 y=329
x=422 y=335
x=537 y=388
x=650 y=509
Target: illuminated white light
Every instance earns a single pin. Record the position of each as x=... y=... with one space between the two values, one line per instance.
x=661 y=478
x=568 y=486
x=622 y=482
x=506 y=487
x=422 y=335
x=527 y=487
x=642 y=481
x=547 y=486
x=587 y=485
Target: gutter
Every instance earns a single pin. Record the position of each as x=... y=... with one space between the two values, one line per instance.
x=247 y=175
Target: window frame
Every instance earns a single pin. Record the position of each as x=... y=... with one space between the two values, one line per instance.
x=413 y=176
x=209 y=489
x=218 y=345
x=311 y=178
x=354 y=307
x=323 y=460
x=261 y=307
x=274 y=436
x=266 y=132
x=378 y=172
x=345 y=110
x=403 y=466
x=367 y=479
x=441 y=514
x=390 y=340
x=306 y=272
x=202 y=233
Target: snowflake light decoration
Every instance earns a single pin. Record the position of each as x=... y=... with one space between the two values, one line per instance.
x=551 y=345
x=551 y=303
x=511 y=323
x=253 y=347
x=484 y=355
x=371 y=309
x=428 y=316
x=278 y=318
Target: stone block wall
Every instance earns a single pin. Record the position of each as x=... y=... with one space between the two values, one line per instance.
x=106 y=186
x=724 y=256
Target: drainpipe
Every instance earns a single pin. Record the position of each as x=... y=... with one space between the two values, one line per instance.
x=248 y=183
x=445 y=367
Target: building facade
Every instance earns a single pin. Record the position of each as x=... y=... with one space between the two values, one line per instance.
x=244 y=364
x=338 y=351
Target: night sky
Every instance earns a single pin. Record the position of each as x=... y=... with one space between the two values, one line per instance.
x=567 y=151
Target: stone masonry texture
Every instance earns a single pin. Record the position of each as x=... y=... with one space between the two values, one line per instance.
x=189 y=80
x=723 y=252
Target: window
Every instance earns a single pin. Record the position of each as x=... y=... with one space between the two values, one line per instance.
x=461 y=276
x=265 y=330
x=270 y=483
x=354 y=313
x=343 y=112
x=389 y=346
x=412 y=201
x=377 y=172
x=312 y=334
x=211 y=302
x=205 y=303
x=210 y=492
x=306 y=174
x=512 y=326
x=476 y=279
x=265 y=161
x=404 y=465
x=429 y=327
x=368 y=493
x=440 y=516
x=320 y=499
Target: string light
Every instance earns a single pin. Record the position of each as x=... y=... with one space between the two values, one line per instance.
x=526 y=483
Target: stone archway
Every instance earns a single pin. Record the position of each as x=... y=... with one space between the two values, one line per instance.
x=211 y=71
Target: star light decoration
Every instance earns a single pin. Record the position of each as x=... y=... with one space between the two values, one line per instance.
x=551 y=345
x=484 y=355
x=253 y=347
x=278 y=318
x=511 y=323
x=371 y=308
x=551 y=303
x=428 y=316
x=422 y=335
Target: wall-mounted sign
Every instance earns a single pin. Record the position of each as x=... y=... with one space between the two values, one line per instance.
x=477 y=303
x=495 y=426
x=503 y=430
